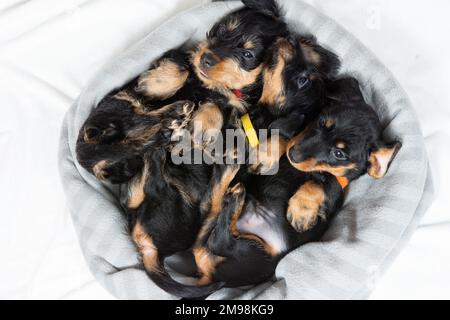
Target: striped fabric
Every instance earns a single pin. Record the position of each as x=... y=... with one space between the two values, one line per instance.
x=378 y=216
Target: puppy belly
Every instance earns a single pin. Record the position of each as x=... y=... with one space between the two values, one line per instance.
x=262 y=223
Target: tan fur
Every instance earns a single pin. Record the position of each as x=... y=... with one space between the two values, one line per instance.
x=210 y=119
x=232 y=24
x=206 y=263
x=268 y=155
x=379 y=162
x=249 y=44
x=329 y=123
x=146 y=248
x=141 y=135
x=304 y=206
x=226 y=74
x=99 y=168
x=137 y=106
x=136 y=188
x=163 y=81
x=273 y=89
x=221 y=188
x=311 y=165
x=310 y=54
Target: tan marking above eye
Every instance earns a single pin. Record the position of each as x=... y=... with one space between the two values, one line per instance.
x=341 y=145
x=249 y=44
x=329 y=123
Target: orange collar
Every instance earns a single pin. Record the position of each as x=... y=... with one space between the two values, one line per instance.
x=343 y=181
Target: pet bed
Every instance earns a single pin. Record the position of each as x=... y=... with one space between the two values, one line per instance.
x=378 y=215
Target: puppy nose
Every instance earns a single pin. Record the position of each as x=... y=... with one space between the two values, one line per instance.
x=295 y=154
x=207 y=60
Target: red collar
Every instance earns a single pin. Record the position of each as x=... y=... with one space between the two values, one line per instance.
x=238 y=93
x=343 y=182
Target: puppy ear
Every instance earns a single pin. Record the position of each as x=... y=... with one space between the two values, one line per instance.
x=325 y=61
x=267 y=7
x=344 y=90
x=381 y=158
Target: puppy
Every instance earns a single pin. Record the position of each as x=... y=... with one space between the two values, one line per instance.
x=252 y=224
x=293 y=94
x=119 y=131
x=221 y=77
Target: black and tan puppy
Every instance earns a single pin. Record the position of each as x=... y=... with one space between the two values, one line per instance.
x=255 y=223
x=294 y=81
x=118 y=132
x=221 y=76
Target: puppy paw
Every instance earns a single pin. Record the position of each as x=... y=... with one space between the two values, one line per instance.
x=304 y=207
x=265 y=158
x=118 y=172
x=108 y=133
x=163 y=81
x=302 y=219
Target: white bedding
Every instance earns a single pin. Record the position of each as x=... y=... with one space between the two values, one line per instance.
x=49 y=49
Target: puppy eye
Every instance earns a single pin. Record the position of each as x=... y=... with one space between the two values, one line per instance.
x=321 y=122
x=248 y=54
x=339 y=155
x=303 y=82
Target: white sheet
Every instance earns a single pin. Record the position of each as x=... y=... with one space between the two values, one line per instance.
x=50 y=48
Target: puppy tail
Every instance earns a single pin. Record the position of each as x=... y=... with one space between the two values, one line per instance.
x=163 y=280
x=154 y=267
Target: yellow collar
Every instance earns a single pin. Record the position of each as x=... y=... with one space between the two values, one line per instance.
x=250 y=130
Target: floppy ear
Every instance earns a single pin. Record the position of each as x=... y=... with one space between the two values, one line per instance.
x=267 y=7
x=344 y=90
x=381 y=158
x=326 y=61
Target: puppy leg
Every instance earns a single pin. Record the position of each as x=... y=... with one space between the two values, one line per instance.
x=226 y=237
x=163 y=81
x=264 y=158
x=206 y=125
x=211 y=208
x=113 y=163
x=305 y=206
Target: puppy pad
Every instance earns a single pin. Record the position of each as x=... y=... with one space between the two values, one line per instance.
x=378 y=216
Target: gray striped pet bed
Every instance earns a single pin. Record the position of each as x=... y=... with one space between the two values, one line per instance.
x=377 y=219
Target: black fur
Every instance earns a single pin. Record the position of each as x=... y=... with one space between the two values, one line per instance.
x=267 y=196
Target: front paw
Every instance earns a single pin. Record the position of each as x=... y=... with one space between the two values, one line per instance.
x=304 y=209
x=164 y=81
x=302 y=219
x=118 y=172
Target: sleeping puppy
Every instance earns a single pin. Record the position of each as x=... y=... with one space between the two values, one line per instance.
x=254 y=223
x=118 y=132
x=221 y=76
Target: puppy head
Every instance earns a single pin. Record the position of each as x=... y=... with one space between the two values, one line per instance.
x=295 y=76
x=122 y=119
x=232 y=55
x=345 y=140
